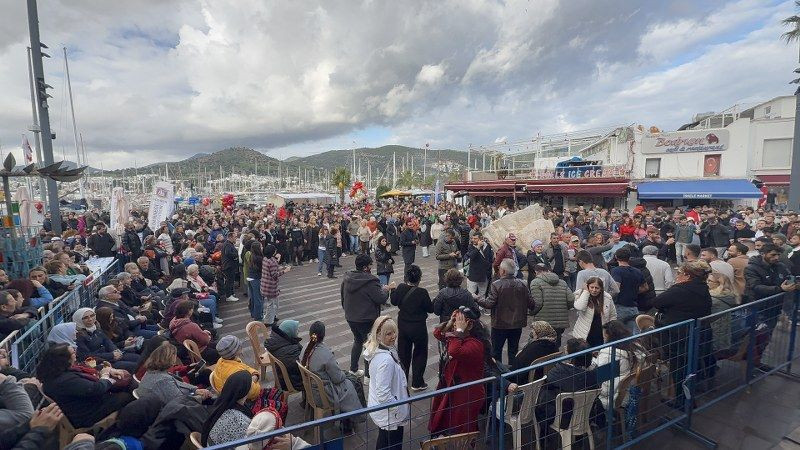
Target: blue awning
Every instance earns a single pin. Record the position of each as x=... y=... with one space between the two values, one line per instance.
x=698 y=189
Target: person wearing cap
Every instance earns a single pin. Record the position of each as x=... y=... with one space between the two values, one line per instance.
x=659 y=269
x=509 y=251
x=229 y=348
x=284 y=344
x=447 y=253
x=362 y=297
x=509 y=300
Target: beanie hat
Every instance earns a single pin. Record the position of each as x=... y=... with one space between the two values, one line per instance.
x=536 y=243
x=229 y=346
x=289 y=327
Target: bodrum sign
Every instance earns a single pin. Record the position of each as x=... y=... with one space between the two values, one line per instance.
x=716 y=140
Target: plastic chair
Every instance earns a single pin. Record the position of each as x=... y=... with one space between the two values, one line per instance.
x=258 y=332
x=463 y=441
x=526 y=414
x=279 y=372
x=582 y=403
x=136 y=379
x=194 y=350
x=194 y=438
x=312 y=382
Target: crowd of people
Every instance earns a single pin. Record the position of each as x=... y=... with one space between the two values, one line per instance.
x=598 y=277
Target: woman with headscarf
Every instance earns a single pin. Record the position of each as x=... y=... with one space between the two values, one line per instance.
x=535 y=256
x=33 y=292
x=542 y=343
x=468 y=354
x=387 y=383
x=284 y=344
x=92 y=342
x=318 y=358
x=229 y=417
x=63 y=333
x=269 y=420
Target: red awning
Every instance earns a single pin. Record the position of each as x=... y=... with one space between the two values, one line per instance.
x=482 y=185
x=775 y=180
x=618 y=188
x=508 y=193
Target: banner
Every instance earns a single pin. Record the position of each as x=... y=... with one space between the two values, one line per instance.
x=162 y=202
x=714 y=140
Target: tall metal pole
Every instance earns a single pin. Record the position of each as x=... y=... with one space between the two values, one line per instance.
x=37 y=141
x=794 y=177
x=44 y=115
x=79 y=161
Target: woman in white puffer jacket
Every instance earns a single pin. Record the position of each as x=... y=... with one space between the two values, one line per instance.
x=387 y=383
x=595 y=309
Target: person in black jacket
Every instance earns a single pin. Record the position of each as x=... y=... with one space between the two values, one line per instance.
x=479 y=258
x=131 y=241
x=384 y=262
x=566 y=376
x=412 y=332
x=284 y=344
x=84 y=397
x=453 y=296
x=543 y=342
x=230 y=267
x=687 y=299
x=101 y=243
x=408 y=243
x=647 y=290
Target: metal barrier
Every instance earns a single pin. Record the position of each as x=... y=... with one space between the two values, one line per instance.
x=618 y=394
x=29 y=345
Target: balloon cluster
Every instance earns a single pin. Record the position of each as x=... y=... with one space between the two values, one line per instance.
x=227 y=201
x=206 y=201
x=358 y=191
x=39 y=206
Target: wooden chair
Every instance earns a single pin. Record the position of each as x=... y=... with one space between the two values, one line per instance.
x=526 y=414
x=194 y=438
x=545 y=358
x=311 y=383
x=194 y=350
x=463 y=441
x=580 y=423
x=258 y=333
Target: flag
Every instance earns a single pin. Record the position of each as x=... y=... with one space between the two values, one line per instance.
x=26 y=150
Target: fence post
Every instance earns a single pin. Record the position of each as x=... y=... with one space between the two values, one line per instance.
x=751 y=342
x=501 y=426
x=693 y=355
x=793 y=333
x=610 y=406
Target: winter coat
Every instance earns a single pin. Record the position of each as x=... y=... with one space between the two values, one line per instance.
x=384 y=263
x=131 y=241
x=16 y=405
x=550 y=254
x=407 y=242
x=77 y=396
x=124 y=315
x=362 y=297
x=645 y=298
x=586 y=313
x=480 y=263
x=230 y=257
x=164 y=386
x=95 y=344
x=716 y=235
x=682 y=301
x=532 y=351
x=509 y=300
x=506 y=252
x=339 y=388
x=425 y=233
x=450 y=299
x=331 y=251
x=763 y=280
x=553 y=299
x=387 y=384
x=270 y=273
x=286 y=350
x=457 y=411
x=182 y=329
x=175 y=422
x=533 y=259
x=101 y=245
x=442 y=252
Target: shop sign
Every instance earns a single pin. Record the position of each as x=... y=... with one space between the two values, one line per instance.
x=578 y=172
x=696 y=195
x=716 y=140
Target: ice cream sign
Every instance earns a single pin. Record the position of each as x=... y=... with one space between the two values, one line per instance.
x=716 y=140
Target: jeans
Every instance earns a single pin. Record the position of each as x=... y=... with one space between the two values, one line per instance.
x=389 y=439
x=270 y=306
x=627 y=315
x=353 y=244
x=320 y=260
x=679 y=247
x=477 y=287
x=412 y=348
x=499 y=338
x=360 y=333
x=146 y=331
x=384 y=278
x=210 y=303
x=256 y=303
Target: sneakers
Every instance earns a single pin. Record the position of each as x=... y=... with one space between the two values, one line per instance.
x=217 y=326
x=319 y=274
x=231 y=299
x=424 y=387
x=217 y=320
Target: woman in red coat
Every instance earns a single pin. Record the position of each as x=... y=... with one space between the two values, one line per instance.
x=627 y=230
x=468 y=349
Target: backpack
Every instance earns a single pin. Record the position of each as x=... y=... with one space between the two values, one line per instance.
x=274 y=398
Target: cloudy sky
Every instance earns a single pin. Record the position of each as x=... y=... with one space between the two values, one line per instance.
x=158 y=80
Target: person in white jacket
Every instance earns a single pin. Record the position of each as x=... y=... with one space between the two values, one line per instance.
x=387 y=383
x=595 y=309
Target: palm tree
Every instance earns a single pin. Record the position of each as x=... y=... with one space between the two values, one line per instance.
x=794 y=22
x=406 y=179
x=341 y=179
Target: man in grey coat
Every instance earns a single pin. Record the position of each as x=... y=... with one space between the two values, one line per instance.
x=447 y=253
x=553 y=299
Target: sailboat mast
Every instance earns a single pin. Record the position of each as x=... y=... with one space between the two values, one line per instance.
x=78 y=162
